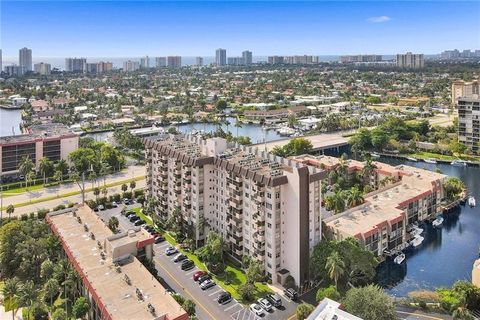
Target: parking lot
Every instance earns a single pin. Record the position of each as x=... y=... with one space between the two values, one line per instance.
x=182 y=282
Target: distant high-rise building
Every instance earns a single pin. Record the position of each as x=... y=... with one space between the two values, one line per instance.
x=174 y=61
x=90 y=68
x=145 y=62
x=25 y=59
x=247 y=57
x=410 y=60
x=104 y=67
x=221 y=57
x=42 y=68
x=235 y=61
x=14 y=70
x=275 y=60
x=75 y=64
x=130 y=66
x=160 y=62
x=469 y=121
x=361 y=58
x=199 y=61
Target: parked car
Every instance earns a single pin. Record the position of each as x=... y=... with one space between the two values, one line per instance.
x=139 y=222
x=134 y=218
x=265 y=304
x=275 y=300
x=256 y=309
x=149 y=228
x=187 y=265
x=21 y=177
x=204 y=278
x=131 y=214
x=291 y=294
x=179 y=257
x=114 y=204
x=197 y=275
x=224 y=297
x=127 y=201
x=159 y=239
x=101 y=207
x=171 y=250
x=207 y=284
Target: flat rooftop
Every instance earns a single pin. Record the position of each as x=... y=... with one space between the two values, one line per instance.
x=385 y=204
x=39 y=132
x=105 y=279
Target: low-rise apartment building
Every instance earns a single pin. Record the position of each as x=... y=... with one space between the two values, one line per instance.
x=409 y=195
x=112 y=278
x=265 y=206
x=54 y=141
x=277 y=114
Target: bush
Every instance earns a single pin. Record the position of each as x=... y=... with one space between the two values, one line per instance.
x=42 y=213
x=424 y=296
x=138 y=192
x=70 y=205
x=246 y=291
x=330 y=292
x=31 y=215
x=304 y=310
x=24 y=217
x=289 y=282
x=127 y=194
x=59 y=207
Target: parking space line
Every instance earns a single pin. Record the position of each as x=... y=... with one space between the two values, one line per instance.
x=194 y=270
x=232 y=306
x=211 y=294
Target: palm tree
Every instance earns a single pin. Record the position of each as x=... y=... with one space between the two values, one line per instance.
x=335 y=267
x=237 y=125
x=462 y=313
x=62 y=168
x=25 y=167
x=96 y=192
x=354 y=197
x=27 y=295
x=105 y=169
x=50 y=289
x=92 y=176
x=10 y=210
x=227 y=124
x=132 y=185
x=10 y=294
x=45 y=167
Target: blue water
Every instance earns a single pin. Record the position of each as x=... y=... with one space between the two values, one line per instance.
x=448 y=253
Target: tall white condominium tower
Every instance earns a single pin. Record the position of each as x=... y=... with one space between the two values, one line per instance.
x=145 y=62
x=130 y=66
x=42 y=68
x=410 y=60
x=174 y=61
x=25 y=59
x=199 y=61
x=247 y=57
x=160 y=62
x=264 y=206
x=469 y=121
x=221 y=57
x=75 y=64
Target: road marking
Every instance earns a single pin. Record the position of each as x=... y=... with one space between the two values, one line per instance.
x=419 y=315
x=194 y=270
x=188 y=292
x=211 y=294
x=231 y=307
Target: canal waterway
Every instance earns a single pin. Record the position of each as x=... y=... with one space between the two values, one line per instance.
x=447 y=253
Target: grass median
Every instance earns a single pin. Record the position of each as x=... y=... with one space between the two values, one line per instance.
x=232 y=277
x=73 y=193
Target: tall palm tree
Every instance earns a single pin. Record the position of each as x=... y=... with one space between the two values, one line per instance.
x=238 y=125
x=26 y=166
x=27 y=295
x=354 y=197
x=335 y=267
x=45 y=167
x=61 y=167
x=227 y=124
x=10 y=210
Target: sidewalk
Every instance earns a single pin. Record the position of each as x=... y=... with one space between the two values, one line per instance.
x=128 y=173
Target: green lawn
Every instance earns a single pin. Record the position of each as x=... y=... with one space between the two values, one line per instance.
x=16 y=191
x=230 y=280
x=425 y=155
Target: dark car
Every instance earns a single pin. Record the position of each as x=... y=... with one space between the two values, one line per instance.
x=139 y=222
x=187 y=265
x=291 y=294
x=134 y=218
x=274 y=299
x=224 y=297
x=204 y=278
x=159 y=239
x=199 y=274
x=179 y=257
x=149 y=228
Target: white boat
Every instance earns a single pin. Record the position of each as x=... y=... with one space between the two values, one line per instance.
x=400 y=258
x=437 y=222
x=417 y=241
x=458 y=163
x=471 y=201
x=430 y=160
x=416 y=231
x=375 y=155
x=412 y=159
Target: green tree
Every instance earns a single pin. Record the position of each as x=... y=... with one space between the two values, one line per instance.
x=221 y=105
x=255 y=271
x=189 y=307
x=354 y=197
x=113 y=224
x=45 y=168
x=27 y=295
x=132 y=185
x=453 y=188
x=335 y=266
x=124 y=187
x=62 y=168
x=329 y=292
x=369 y=302
x=246 y=291
x=304 y=310
x=80 y=308
x=10 y=293
x=26 y=166
x=10 y=210
x=50 y=290
x=59 y=314
x=96 y=192
x=294 y=147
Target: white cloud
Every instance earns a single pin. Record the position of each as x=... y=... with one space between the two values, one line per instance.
x=379 y=19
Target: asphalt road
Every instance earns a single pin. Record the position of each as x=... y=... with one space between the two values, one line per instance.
x=182 y=282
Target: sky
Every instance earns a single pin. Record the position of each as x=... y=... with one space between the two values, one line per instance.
x=155 y=28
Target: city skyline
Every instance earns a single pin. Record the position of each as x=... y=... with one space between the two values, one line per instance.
x=427 y=29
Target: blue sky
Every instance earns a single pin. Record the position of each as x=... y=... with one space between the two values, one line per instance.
x=135 y=28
